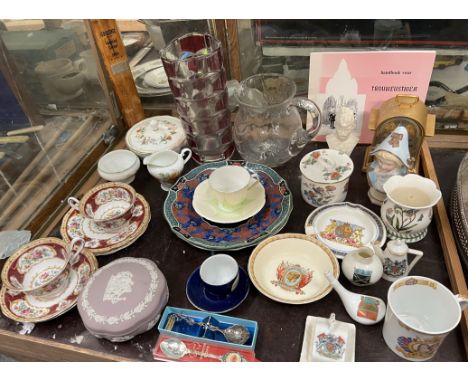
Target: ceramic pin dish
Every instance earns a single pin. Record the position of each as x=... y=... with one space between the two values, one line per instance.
x=344 y=227
x=119 y=166
x=328 y=340
x=155 y=134
x=289 y=268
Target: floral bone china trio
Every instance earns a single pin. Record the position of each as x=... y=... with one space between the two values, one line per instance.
x=227 y=205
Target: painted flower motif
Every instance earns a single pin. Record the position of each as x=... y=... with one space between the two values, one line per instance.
x=93 y=243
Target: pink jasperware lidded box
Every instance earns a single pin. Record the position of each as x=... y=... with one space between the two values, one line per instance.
x=123 y=299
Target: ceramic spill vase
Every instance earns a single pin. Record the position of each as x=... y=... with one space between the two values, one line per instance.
x=407 y=210
x=325 y=177
x=362 y=267
x=421 y=312
x=167 y=166
x=395 y=259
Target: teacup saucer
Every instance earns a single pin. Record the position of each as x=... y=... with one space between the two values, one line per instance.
x=27 y=308
x=207 y=207
x=100 y=241
x=197 y=296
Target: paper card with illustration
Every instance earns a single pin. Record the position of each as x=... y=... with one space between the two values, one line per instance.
x=362 y=81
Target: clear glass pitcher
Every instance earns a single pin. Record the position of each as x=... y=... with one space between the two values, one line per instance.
x=268 y=128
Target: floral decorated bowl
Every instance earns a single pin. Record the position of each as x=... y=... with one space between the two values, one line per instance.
x=42 y=267
x=325 y=176
x=108 y=205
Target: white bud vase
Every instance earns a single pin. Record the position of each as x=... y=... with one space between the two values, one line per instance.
x=362 y=267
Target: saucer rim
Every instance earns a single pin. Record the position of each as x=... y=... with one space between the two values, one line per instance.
x=108 y=250
x=92 y=261
x=245 y=217
x=244 y=297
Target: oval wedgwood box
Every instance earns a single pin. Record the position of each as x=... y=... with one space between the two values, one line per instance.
x=123 y=299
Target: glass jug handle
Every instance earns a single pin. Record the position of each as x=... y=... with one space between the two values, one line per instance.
x=314 y=113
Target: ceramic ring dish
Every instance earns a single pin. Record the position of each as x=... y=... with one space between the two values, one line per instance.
x=290 y=268
x=156 y=134
x=37 y=255
x=201 y=233
x=344 y=227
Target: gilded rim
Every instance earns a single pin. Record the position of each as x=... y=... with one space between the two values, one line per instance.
x=102 y=186
x=21 y=251
x=117 y=246
x=91 y=259
x=264 y=243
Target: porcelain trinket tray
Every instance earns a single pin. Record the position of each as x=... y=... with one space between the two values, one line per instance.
x=123 y=299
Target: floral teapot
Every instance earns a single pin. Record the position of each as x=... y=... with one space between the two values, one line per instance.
x=268 y=128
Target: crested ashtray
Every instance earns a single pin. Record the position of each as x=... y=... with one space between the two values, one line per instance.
x=328 y=340
x=207 y=207
x=343 y=227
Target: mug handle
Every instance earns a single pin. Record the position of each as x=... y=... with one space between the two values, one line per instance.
x=74 y=256
x=462 y=300
x=80 y=65
x=314 y=111
x=74 y=203
x=418 y=255
x=188 y=152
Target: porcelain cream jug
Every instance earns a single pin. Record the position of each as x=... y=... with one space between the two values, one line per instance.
x=395 y=259
x=362 y=267
x=167 y=166
x=407 y=209
x=268 y=128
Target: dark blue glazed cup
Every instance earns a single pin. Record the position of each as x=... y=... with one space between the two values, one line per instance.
x=220 y=275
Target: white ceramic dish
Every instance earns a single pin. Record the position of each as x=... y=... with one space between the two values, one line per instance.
x=156 y=134
x=328 y=340
x=206 y=205
x=343 y=227
x=139 y=72
x=156 y=78
x=119 y=166
x=290 y=268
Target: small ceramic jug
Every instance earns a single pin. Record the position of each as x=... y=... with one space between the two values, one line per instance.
x=167 y=166
x=362 y=267
x=395 y=259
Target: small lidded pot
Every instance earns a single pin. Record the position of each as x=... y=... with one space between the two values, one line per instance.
x=325 y=176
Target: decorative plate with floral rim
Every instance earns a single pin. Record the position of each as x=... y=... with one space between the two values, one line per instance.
x=100 y=241
x=201 y=233
x=26 y=308
x=344 y=227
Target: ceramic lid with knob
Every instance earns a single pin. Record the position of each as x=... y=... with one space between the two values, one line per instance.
x=123 y=299
x=156 y=134
x=326 y=166
x=397 y=247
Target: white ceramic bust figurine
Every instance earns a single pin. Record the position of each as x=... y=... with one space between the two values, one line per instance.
x=343 y=139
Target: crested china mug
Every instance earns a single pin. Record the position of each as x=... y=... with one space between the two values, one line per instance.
x=167 y=166
x=420 y=313
x=229 y=185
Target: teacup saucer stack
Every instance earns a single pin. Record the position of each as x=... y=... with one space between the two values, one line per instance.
x=43 y=279
x=109 y=217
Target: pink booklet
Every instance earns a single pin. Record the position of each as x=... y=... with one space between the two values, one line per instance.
x=363 y=80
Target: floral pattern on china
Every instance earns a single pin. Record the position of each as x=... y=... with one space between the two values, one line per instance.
x=35 y=256
x=327 y=165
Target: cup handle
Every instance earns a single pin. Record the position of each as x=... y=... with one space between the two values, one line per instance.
x=314 y=111
x=256 y=180
x=462 y=300
x=80 y=65
x=184 y=152
x=74 y=256
x=74 y=203
x=418 y=255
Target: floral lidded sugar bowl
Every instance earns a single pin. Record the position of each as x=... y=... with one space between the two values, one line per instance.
x=325 y=176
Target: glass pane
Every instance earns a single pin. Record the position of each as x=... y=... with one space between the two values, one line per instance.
x=283 y=46
x=53 y=112
x=143 y=51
